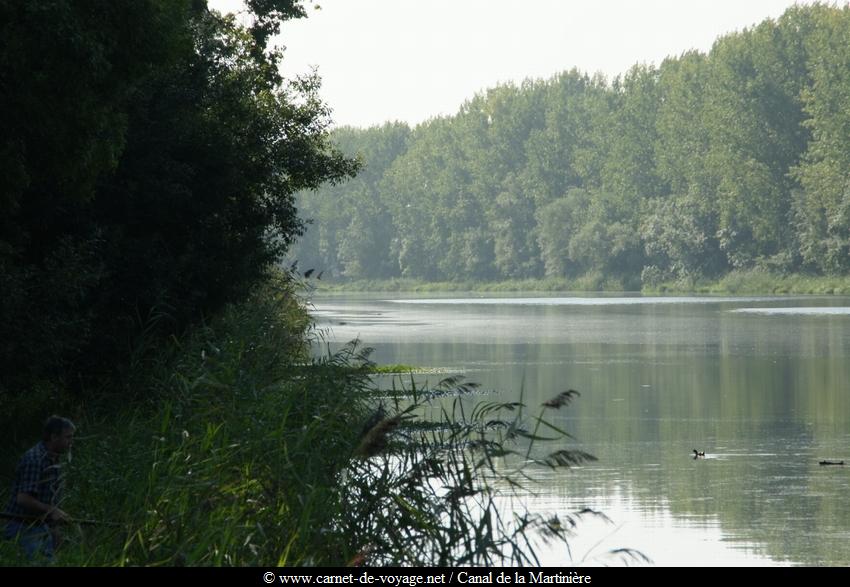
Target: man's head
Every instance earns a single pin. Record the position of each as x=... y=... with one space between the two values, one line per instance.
x=59 y=434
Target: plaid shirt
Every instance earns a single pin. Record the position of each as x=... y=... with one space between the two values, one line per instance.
x=38 y=475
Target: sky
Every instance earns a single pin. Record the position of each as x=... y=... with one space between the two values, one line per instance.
x=411 y=60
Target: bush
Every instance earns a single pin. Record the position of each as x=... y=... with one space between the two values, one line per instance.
x=241 y=451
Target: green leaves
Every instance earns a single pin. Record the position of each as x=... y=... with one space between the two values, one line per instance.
x=163 y=172
x=735 y=159
x=822 y=209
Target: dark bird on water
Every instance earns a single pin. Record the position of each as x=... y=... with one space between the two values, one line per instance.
x=698 y=454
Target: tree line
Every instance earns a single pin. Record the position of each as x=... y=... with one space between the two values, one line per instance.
x=150 y=154
x=734 y=159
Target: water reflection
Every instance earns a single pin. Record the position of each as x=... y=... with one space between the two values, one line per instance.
x=666 y=539
x=760 y=384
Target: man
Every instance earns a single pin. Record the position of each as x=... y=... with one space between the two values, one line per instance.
x=33 y=510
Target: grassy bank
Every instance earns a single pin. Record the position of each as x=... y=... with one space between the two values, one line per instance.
x=585 y=283
x=759 y=282
x=232 y=447
x=210 y=458
x=736 y=282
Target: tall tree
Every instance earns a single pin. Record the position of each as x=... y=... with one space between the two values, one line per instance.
x=755 y=122
x=162 y=179
x=731 y=159
x=822 y=210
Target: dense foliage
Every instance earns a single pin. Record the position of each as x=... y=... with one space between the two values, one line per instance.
x=244 y=452
x=708 y=163
x=150 y=153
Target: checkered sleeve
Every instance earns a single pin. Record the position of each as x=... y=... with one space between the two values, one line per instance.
x=28 y=476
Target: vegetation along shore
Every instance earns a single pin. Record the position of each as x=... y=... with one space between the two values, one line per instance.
x=146 y=210
x=754 y=281
x=152 y=207
x=683 y=172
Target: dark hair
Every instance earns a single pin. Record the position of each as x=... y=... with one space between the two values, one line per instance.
x=56 y=425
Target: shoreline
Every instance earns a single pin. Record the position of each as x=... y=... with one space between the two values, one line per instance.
x=734 y=283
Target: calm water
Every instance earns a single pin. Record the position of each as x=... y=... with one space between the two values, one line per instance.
x=762 y=384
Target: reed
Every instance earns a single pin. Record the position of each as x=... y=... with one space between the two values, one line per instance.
x=234 y=448
x=752 y=281
x=760 y=281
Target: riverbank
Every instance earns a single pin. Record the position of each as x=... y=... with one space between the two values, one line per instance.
x=233 y=446
x=736 y=282
x=223 y=449
x=760 y=282
x=586 y=283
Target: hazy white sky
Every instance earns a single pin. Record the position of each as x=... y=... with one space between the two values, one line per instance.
x=410 y=60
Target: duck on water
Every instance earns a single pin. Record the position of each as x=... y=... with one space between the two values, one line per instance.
x=699 y=454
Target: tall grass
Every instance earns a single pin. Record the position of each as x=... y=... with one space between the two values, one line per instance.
x=437 y=496
x=754 y=281
x=759 y=281
x=234 y=448
x=591 y=283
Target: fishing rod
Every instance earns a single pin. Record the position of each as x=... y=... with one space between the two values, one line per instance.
x=80 y=521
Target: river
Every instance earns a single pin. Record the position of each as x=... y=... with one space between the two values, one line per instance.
x=761 y=384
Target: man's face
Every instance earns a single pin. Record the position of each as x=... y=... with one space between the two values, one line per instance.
x=62 y=442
